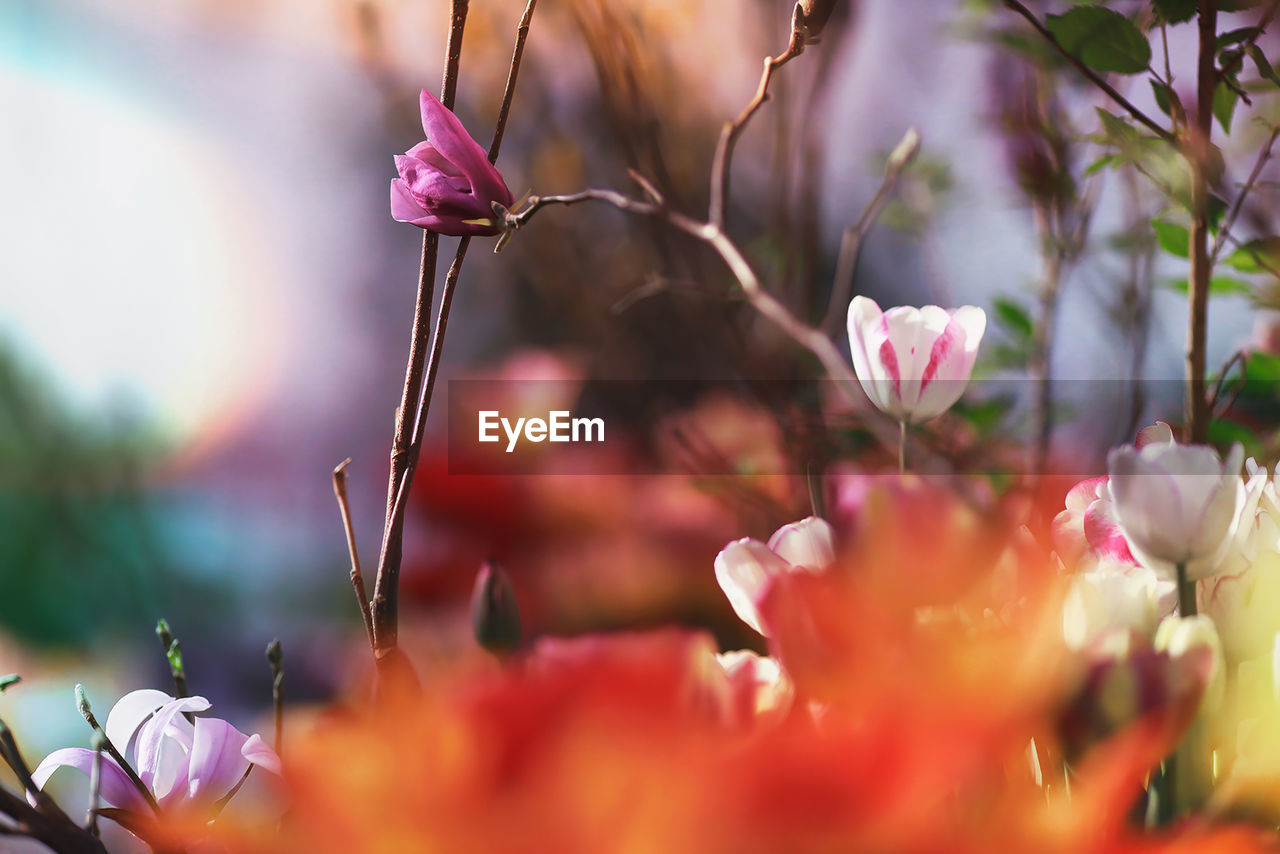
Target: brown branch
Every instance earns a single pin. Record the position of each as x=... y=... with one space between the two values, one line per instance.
x=384 y=634
x=1197 y=400
x=851 y=241
x=357 y=577
x=722 y=163
x=386 y=592
x=1224 y=231
x=1088 y=72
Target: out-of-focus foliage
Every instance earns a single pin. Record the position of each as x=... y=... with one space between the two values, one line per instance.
x=79 y=553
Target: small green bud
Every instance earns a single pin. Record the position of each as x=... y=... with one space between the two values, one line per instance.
x=164 y=634
x=174 y=654
x=82 y=701
x=495 y=616
x=9 y=681
x=275 y=654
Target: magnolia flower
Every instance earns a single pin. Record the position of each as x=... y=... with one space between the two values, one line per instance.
x=1177 y=504
x=180 y=762
x=447 y=183
x=914 y=363
x=745 y=567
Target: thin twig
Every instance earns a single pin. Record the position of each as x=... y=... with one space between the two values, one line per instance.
x=508 y=93
x=275 y=657
x=722 y=163
x=1088 y=72
x=357 y=577
x=95 y=786
x=86 y=712
x=1264 y=155
x=1239 y=357
x=851 y=242
x=812 y=339
x=13 y=758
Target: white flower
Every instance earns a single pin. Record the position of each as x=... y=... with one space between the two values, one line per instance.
x=1244 y=597
x=745 y=567
x=1176 y=504
x=760 y=692
x=1114 y=595
x=914 y=363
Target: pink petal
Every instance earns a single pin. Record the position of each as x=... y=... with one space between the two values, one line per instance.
x=865 y=342
x=1158 y=433
x=217 y=762
x=404 y=208
x=117 y=789
x=447 y=135
x=744 y=569
x=257 y=752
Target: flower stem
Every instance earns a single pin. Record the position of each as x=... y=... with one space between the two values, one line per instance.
x=1186 y=593
x=902 y=447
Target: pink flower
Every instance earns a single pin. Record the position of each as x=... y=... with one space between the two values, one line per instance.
x=447 y=183
x=914 y=363
x=745 y=568
x=179 y=762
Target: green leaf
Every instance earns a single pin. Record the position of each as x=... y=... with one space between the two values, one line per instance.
x=1013 y=318
x=1102 y=39
x=1116 y=129
x=1224 y=105
x=1264 y=66
x=1257 y=256
x=1165 y=97
x=1098 y=165
x=1218 y=286
x=1174 y=239
x=1236 y=36
x=1175 y=11
x=9 y=681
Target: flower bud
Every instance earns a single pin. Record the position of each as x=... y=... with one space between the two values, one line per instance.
x=814 y=15
x=495 y=616
x=1180 y=637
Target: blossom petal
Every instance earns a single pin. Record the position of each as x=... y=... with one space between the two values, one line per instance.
x=129 y=713
x=951 y=359
x=447 y=135
x=152 y=736
x=807 y=543
x=258 y=753
x=117 y=789
x=217 y=760
x=744 y=569
x=865 y=340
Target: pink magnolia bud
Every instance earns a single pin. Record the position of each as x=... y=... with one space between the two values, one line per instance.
x=447 y=184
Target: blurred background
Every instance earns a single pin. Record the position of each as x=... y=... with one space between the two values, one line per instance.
x=206 y=306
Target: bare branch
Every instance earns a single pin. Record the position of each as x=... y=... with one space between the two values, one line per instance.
x=851 y=242
x=722 y=164
x=1264 y=155
x=357 y=577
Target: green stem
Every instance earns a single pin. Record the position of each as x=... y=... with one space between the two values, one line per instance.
x=1186 y=593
